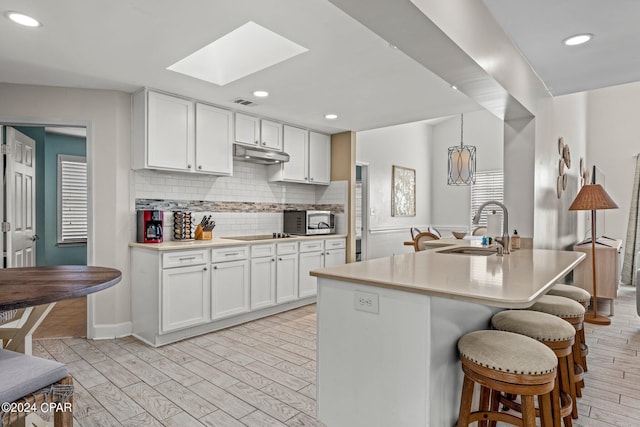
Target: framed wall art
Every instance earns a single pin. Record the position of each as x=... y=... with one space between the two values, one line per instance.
x=403 y=191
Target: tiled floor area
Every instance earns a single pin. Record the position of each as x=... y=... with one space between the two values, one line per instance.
x=263 y=374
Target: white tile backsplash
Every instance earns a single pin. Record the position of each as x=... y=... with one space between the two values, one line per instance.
x=248 y=184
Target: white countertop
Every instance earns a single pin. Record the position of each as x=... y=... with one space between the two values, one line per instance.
x=509 y=281
x=222 y=241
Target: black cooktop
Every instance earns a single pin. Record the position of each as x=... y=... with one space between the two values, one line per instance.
x=260 y=237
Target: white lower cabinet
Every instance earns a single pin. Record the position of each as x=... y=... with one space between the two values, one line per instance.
x=307 y=285
x=287 y=278
x=335 y=252
x=263 y=275
x=178 y=294
x=317 y=254
x=185 y=297
x=229 y=288
x=263 y=282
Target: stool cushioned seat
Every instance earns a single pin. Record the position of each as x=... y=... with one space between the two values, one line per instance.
x=558 y=306
x=534 y=324
x=507 y=352
x=569 y=291
x=21 y=375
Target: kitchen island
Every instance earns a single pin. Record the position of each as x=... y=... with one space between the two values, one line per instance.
x=388 y=328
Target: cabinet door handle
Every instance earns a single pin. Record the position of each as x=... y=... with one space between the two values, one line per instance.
x=257 y=142
x=279 y=259
x=188 y=166
x=187 y=258
x=215 y=267
x=273 y=260
x=322 y=253
x=204 y=269
x=199 y=166
x=264 y=143
x=327 y=253
x=311 y=179
x=232 y=254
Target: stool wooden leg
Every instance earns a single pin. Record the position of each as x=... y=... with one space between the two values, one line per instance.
x=465 y=402
x=582 y=340
x=544 y=403
x=528 y=411
x=485 y=394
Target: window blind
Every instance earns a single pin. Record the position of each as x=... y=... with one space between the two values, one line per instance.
x=489 y=186
x=72 y=199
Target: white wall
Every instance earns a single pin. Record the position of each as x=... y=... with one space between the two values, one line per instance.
x=613 y=140
x=450 y=204
x=555 y=227
x=107 y=115
x=403 y=145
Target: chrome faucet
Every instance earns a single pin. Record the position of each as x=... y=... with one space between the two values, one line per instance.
x=505 y=241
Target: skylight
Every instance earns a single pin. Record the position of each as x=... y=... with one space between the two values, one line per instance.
x=243 y=51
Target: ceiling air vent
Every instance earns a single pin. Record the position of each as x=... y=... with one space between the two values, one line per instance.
x=244 y=102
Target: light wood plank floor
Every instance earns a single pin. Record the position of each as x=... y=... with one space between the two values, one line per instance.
x=262 y=374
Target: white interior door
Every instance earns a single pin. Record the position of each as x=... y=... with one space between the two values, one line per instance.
x=20 y=199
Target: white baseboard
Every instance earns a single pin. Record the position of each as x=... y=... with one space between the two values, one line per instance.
x=107 y=332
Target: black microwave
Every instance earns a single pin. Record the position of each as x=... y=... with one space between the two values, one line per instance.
x=308 y=223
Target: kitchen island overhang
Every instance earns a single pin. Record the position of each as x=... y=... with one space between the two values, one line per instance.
x=388 y=328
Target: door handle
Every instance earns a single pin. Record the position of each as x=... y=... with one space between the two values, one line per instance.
x=35 y=237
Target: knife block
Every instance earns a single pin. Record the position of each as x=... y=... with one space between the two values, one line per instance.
x=203 y=235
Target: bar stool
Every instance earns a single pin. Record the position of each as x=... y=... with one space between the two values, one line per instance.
x=504 y=362
x=573 y=313
x=584 y=298
x=559 y=336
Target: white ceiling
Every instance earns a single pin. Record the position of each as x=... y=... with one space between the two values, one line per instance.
x=538 y=28
x=349 y=70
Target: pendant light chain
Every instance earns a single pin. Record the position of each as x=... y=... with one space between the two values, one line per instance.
x=461 y=130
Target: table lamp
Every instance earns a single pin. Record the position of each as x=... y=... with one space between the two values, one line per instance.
x=593 y=197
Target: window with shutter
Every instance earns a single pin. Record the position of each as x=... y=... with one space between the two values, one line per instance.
x=72 y=199
x=489 y=186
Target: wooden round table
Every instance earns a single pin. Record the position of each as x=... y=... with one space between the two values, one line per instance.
x=33 y=291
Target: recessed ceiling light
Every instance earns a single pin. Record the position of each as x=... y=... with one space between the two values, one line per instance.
x=244 y=51
x=331 y=116
x=261 y=93
x=22 y=19
x=577 y=39
x=454 y=87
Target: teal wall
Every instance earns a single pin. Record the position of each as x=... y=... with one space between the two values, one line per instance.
x=48 y=146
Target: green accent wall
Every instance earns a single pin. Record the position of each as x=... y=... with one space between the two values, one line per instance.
x=48 y=146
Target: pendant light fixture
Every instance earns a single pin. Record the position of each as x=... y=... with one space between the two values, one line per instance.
x=462 y=161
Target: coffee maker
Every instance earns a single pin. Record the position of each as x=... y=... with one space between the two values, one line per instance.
x=150 y=226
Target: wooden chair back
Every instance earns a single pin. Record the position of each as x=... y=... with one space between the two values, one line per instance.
x=421 y=239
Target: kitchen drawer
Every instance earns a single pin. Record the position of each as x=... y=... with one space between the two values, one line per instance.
x=334 y=244
x=263 y=250
x=229 y=254
x=287 y=248
x=311 y=246
x=184 y=258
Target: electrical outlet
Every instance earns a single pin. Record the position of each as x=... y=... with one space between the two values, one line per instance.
x=366 y=301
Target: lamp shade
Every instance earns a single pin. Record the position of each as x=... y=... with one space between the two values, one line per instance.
x=592 y=197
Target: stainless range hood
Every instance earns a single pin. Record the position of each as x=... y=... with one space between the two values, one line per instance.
x=259 y=155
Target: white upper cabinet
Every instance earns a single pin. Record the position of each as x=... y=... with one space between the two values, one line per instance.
x=214 y=144
x=296 y=145
x=309 y=162
x=319 y=158
x=271 y=135
x=170 y=137
x=258 y=133
x=176 y=134
x=247 y=130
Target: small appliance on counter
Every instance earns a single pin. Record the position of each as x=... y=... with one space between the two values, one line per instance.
x=183 y=226
x=308 y=223
x=150 y=225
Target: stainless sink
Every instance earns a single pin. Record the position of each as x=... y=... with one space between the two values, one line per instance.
x=470 y=250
